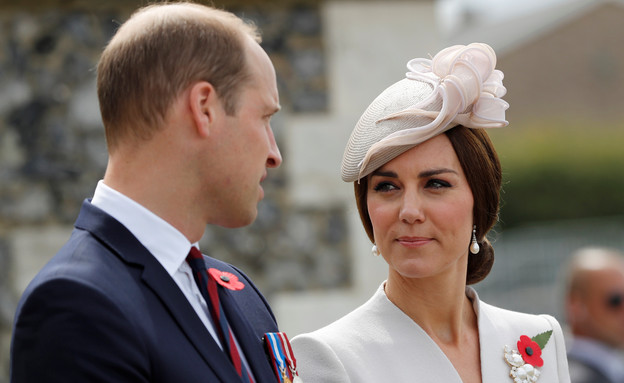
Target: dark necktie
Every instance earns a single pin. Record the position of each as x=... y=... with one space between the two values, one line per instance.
x=208 y=288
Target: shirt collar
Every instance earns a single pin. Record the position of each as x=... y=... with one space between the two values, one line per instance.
x=168 y=245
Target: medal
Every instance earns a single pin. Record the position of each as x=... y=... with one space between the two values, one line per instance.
x=285 y=378
x=282 y=358
x=290 y=357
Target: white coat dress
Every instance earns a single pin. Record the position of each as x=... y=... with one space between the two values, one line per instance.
x=377 y=342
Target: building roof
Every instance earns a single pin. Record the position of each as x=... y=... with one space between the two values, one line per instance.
x=511 y=33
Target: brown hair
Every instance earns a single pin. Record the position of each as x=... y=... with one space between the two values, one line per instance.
x=159 y=52
x=482 y=168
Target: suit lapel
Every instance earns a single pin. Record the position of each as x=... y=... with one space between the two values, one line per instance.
x=117 y=238
x=249 y=341
x=189 y=322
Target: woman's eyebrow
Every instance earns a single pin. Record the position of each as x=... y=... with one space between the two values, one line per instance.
x=435 y=172
x=423 y=174
x=385 y=173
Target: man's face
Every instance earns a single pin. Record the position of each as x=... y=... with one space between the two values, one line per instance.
x=246 y=146
x=605 y=306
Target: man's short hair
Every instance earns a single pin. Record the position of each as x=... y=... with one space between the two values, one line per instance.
x=160 y=51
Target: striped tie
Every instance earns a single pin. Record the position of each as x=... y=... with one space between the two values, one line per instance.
x=208 y=288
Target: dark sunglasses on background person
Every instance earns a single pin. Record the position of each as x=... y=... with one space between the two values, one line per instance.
x=615 y=301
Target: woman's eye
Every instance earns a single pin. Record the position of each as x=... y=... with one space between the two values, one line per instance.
x=437 y=184
x=384 y=187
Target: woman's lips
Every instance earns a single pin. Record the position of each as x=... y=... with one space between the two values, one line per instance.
x=413 y=241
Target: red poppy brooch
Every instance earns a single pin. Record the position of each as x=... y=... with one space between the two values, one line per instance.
x=525 y=361
x=225 y=279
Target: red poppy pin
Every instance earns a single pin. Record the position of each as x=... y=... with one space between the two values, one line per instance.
x=527 y=358
x=227 y=280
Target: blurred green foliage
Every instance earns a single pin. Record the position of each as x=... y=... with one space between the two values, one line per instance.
x=555 y=170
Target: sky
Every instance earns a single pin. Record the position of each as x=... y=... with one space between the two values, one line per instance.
x=490 y=11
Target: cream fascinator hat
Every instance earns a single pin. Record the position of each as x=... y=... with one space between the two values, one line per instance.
x=458 y=87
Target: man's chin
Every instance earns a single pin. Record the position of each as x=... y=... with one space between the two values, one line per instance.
x=240 y=221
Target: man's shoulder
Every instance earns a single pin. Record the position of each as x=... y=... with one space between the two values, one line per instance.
x=581 y=372
x=84 y=265
x=84 y=256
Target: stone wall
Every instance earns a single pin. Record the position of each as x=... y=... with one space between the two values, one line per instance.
x=52 y=149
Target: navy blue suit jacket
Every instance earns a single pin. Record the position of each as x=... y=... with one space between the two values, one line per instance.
x=104 y=310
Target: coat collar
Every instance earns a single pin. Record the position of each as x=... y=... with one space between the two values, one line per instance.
x=250 y=343
x=499 y=328
x=124 y=245
x=493 y=366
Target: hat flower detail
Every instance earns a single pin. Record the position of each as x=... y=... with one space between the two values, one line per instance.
x=525 y=361
x=225 y=279
x=469 y=87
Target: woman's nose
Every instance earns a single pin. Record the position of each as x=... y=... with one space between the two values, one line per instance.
x=411 y=208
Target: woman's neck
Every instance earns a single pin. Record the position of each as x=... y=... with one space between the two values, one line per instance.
x=438 y=305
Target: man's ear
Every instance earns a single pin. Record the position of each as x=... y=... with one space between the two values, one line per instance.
x=577 y=310
x=204 y=106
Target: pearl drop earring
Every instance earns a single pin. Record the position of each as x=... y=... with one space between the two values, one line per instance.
x=474 y=246
x=375 y=251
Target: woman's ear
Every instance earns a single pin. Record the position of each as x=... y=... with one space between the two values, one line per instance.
x=204 y=104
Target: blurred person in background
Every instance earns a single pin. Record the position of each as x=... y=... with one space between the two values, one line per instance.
x=427 y=181
x=595 y=314
x=186 y=95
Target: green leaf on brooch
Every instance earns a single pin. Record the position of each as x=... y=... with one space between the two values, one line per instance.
x=542 y=339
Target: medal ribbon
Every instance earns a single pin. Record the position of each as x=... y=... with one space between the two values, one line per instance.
x=290 y=356
x=278 y=357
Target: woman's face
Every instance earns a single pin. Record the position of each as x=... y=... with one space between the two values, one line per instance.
x=420 y=205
